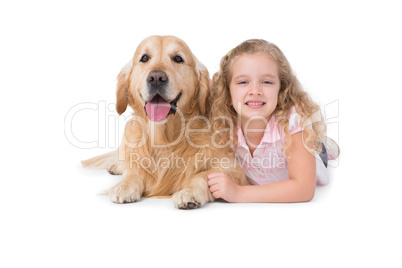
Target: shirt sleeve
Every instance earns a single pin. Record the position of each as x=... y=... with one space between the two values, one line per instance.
x=294 y=122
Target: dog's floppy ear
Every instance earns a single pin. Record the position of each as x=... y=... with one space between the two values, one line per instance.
x=204 y=85
x=122 y=88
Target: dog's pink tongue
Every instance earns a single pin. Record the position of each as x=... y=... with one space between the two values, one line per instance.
x=157 y=109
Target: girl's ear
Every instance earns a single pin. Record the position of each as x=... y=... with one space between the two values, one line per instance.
x=122 y=88
x=204 y=86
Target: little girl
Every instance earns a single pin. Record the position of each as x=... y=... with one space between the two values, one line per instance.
x=276 y=141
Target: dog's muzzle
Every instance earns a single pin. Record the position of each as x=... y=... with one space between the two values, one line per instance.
x=158 y=108
x=157 y=81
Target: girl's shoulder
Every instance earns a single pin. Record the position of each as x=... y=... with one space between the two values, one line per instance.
x=295 y=124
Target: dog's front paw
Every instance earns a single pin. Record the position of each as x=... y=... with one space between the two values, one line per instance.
x=124 y=193
x=189 y=199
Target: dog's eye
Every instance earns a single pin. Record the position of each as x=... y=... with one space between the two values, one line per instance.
x=144 y=58
x=178 y=59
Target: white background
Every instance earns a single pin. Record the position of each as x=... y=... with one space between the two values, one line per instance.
x=55 y=55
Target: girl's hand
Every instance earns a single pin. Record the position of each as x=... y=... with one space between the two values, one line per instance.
x=221 y=186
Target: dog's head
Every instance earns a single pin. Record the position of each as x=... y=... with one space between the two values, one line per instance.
x=162 y=77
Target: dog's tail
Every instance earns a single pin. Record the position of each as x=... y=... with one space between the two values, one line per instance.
x=101 y=161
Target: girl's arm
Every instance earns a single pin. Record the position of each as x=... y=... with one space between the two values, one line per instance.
x=299 y=188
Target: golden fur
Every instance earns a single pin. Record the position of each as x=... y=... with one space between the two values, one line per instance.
x=171 y=157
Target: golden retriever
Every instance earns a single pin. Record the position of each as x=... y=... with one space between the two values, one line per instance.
x=167 y=148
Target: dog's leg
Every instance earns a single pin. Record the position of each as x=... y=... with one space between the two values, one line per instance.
x=129 y=190
x=110 y=161
x=194 y=195
x=116 y=168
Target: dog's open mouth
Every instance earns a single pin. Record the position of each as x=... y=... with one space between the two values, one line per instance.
x=158 y=108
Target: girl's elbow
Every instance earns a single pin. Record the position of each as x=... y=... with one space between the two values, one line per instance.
x=309 y=198
x=306 y=192
x=309 y=195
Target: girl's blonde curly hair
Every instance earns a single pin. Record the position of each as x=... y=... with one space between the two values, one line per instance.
x=290 y=94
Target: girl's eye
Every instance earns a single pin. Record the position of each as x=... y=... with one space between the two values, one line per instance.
x=242 y=82
x=144 y=58
x=267 y=82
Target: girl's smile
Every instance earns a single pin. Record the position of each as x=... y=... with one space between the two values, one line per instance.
x=255 y=104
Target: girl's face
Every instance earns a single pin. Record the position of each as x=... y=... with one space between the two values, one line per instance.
x=255 y=85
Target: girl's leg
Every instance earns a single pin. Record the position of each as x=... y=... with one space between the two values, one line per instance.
x=324 y=155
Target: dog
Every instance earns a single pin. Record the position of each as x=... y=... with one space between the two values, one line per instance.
x=167 y=148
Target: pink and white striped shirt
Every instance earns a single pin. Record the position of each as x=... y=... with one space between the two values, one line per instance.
x=268 y=163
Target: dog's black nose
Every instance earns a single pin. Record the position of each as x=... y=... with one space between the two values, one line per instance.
x=157 y=78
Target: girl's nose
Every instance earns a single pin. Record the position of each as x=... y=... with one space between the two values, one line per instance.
x=255 y=89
